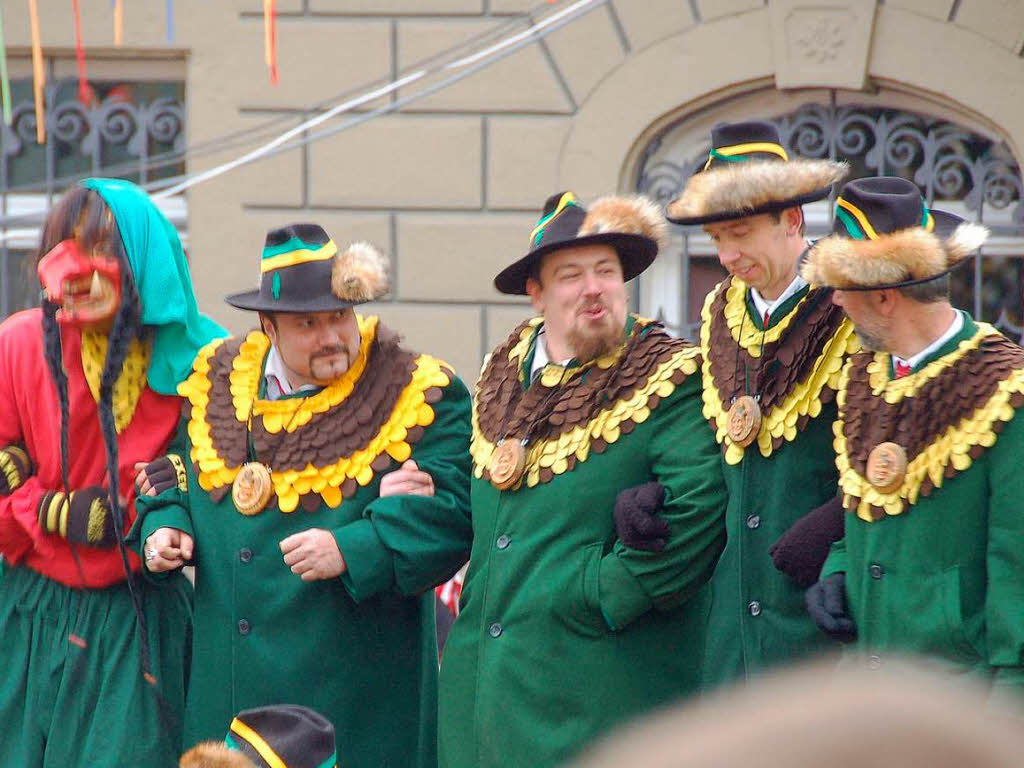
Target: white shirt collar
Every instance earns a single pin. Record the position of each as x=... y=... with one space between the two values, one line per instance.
x=954 y=328
x=763 y=305
x=276 y=377
x=540 y=355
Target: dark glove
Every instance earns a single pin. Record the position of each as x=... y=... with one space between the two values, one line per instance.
x=164 y=473
x=83 y=517
x=636 y=520
x=826 y=602
x=15 y=468
x=801 y=551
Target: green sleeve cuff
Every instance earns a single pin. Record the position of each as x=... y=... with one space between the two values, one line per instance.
x=368 y=565
x=836 y=560
x=617 y=592
x=168 y=510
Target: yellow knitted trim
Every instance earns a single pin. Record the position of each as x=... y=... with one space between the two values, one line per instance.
x=737 y=317
x=520 y=350
x=803 y=400
x=97 y=517
x=953 y=446
x=130 y=382
x=410 y=410
x=10 y=470
x=894 y=390
x=554 y=453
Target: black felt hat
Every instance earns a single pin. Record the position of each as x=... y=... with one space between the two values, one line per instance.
x=633 y=226
x=749 y=172
x=301 y=270
x=284 y=734
x=885 y=236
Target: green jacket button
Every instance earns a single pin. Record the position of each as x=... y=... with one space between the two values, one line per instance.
x=243 y=627
x=754 y=608
x=495 y=630
x=503 y=541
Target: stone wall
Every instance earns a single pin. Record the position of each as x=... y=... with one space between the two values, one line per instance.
x=450 y=185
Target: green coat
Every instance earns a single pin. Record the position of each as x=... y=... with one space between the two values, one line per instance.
x=758 y=617
x=359 y=649
x=565 y=633
x=944 y=576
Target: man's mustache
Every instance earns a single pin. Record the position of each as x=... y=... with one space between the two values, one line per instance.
x=327 y=352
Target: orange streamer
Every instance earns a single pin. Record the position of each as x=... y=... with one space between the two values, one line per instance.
x=118 y=22
x=38 y=73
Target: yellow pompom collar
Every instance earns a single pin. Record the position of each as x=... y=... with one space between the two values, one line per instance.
x=303 y=432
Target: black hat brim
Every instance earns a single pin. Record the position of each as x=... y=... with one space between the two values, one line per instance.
x=945 y=223
x=742 y=213
x=636 y=252
x=253 y=301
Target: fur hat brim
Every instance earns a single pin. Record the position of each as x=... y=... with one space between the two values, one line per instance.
x=894 y=260
x=753 y=187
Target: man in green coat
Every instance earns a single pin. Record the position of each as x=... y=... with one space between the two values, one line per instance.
x=928 y=447
x=565 y=630
x=320 y=482
x=772 y=352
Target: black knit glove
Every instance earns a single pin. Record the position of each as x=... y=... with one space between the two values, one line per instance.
x=15 y=468
x=801 y=551
x=165 y=473
x=826 y=602
x=636 y=520
x=84 y=517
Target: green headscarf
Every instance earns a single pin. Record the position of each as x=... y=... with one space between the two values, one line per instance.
x=161 y=275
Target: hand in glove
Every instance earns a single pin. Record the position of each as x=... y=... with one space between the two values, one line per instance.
x=636 y=520
x=81 y=517
x=15 y=468
x=826 y=602
x=801 y=551
x=160 y=475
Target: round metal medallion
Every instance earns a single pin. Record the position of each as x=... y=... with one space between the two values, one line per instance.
x=744 y=421
x=507 y=464
x=252 y=488
x=887 y=466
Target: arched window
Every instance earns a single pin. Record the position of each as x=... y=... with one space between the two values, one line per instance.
x=959 y=168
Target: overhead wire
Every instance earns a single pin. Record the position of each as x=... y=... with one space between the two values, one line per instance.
x=269 y=127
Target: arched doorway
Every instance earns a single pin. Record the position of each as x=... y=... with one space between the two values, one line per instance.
x=958 y=164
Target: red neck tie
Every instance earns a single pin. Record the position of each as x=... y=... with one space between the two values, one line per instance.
x=767 y=316
x=902 y=369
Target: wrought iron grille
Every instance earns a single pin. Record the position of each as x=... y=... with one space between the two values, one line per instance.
x=129 y=129
x=956 y=169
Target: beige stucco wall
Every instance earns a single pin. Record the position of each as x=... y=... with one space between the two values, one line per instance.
x=450 y=185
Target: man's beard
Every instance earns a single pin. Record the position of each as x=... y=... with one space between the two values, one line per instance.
x=869 y=339
x=329 y=364
x=589 y=341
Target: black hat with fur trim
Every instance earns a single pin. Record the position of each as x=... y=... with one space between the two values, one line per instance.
x=749 y=172
x=633 y=226
x=283 y=734
x=884 y=236
x=301 y=270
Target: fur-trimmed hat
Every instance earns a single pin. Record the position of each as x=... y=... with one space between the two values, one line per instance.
x=884 y=236
x=633 y=226
x=301 y=270
x=749 y=172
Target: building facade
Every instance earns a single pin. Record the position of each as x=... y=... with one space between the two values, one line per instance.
x=621 y=99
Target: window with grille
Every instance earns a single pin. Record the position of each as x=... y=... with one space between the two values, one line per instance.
x=130 y=125
x=958 y=167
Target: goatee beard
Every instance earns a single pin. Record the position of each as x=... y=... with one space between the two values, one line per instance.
x=587 y=346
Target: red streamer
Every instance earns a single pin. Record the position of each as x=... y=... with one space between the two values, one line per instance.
x=270 y=37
